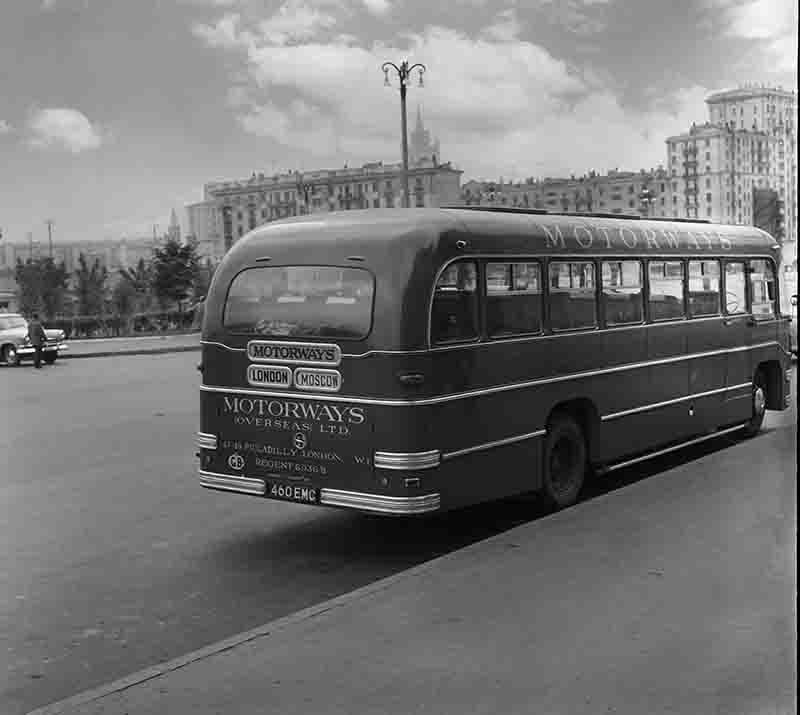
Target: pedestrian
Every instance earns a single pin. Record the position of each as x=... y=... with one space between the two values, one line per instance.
x=37 y=337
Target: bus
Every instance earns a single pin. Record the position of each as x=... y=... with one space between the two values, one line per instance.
x=418 y=360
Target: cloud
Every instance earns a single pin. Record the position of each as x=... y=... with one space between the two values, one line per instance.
x=762 y=19
x=294 y=21
x=5 y=127
x=502 y=102
x=378 y=7
x=580 y=17
x=770 y=23
x=63 y=128
x=506 y=28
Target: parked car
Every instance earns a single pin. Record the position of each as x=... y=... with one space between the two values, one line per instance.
x=15 y=346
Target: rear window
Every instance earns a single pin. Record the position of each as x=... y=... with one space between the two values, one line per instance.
x=301 y=301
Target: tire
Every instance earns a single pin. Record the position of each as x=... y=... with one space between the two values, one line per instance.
x=563 y=462
x=50 y=358
x=10 y=356
x=758 y=404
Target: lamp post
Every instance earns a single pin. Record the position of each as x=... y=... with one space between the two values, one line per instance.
x=302 y=188
x=50 y=223
x=403 y=73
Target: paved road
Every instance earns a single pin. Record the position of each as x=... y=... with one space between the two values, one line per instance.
x=112 y=559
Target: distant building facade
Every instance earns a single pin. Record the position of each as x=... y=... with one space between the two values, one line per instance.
x=204 y=222
x=616 y=192
x=232 y=208
x=111 y=254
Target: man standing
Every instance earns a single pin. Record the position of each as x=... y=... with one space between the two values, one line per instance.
x=37 y=337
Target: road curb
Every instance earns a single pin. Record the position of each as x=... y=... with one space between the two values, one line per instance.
x=135 y=351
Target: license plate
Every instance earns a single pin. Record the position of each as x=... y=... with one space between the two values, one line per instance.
x=292 y=492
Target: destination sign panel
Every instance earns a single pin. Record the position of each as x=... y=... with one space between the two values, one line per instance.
x=312 y=379
x=269 y=376
x=325 y=354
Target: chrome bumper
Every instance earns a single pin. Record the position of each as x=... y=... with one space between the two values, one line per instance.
x=380 y=504
x=372 y=503
x=230 y=483
x=30 y=350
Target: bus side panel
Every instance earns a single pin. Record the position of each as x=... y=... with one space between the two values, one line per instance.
x=707 y=373
x=490 y=474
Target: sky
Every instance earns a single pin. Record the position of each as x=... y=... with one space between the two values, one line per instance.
x=114 y=112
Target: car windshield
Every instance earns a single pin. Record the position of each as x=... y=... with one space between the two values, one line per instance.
x=301 y=301
x=7 y=322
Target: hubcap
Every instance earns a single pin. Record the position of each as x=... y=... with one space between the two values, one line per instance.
x=759 y=401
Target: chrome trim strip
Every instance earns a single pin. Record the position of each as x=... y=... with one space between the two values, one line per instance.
x=406 y=460
x=378 y=503
x=230 y=483
x=222 y=345
x=673 y=448
x=489 y=390
x=656 y=405
x=206 y=440
x=496 y=443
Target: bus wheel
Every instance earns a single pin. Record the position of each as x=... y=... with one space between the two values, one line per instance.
x=564 y=466
x=759 y=405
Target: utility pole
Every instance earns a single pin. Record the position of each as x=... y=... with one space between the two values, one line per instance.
x=50 y=223
x=30 y=245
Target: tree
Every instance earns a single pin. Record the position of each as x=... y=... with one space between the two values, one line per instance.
x=174 y=270
x=124 y=298
x=139 y=280
x=42 y=285
x=90 y=286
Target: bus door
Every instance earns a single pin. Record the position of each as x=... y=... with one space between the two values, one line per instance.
x=666 y=348
x=708 y=340
x=736 y=327
x=763 y=324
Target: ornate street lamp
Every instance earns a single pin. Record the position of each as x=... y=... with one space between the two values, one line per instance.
x=302 y=188
x=403 y=73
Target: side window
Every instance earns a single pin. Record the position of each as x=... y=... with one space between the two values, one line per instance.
x=454 y=317
x=513 y=299
x=666 y=290
x=573 y=302
x=622 y=292
x=703 y=288
x=762 y=289
x=735 y=289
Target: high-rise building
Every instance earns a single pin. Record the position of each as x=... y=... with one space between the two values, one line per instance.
x=205 y=229
x=747 y=146
x=421 y=145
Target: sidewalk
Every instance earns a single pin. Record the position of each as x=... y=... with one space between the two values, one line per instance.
x=104 y=347
x=674 y=594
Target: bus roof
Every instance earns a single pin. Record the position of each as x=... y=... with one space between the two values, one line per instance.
x=363 y=235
